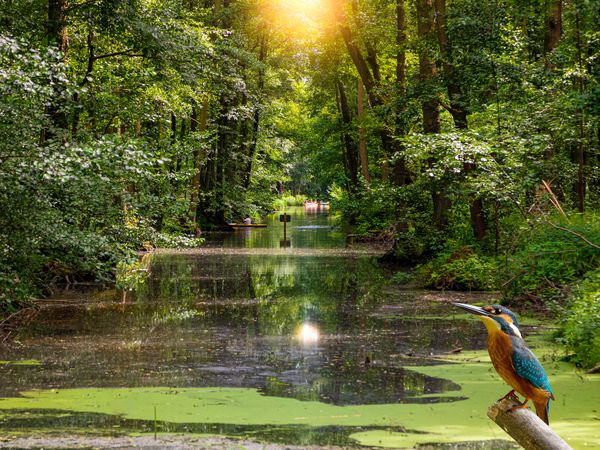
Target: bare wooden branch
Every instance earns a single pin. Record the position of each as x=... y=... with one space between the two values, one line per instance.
x=553 y=198
x=566 y=230
x=524 y=426
x=128 y=52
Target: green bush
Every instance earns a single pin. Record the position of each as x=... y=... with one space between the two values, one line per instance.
x=462 y=269
x=370 y=210
x=15 y=290
x=403 y=277
x=550 y=257
x=581 y=330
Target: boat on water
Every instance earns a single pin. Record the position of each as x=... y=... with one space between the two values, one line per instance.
x=248 y=225
x=309 y=204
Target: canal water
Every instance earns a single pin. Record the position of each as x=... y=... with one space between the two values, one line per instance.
x=261 y=321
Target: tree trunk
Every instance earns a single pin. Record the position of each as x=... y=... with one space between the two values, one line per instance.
x=223 y=142
x=56 y=33
x=199 y=154
x=427 y=71
x=174 y=160
x=430 y=105
x=361 y=65
x=173 y=128
x=262 y=56
x=456 y=109
x=400 y=172
x=370 y=80
x=85 y=80
x=371 y=57
x=478 y=223
x=581 y=154
x=362 y=140
x=553 y=26
x=56 y=28
x=349 y=151
x=243 y=146
x=252 y=147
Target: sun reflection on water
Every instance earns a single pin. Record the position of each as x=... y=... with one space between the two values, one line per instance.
x=308 y=334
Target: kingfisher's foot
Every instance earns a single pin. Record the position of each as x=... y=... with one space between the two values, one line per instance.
x=522 y=406
x=511 y=394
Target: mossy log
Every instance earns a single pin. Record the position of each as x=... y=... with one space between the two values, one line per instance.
x=524 y=426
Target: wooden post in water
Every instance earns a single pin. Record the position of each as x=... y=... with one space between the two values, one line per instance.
x=525 y=427
x=284 y=220
x=154 y=422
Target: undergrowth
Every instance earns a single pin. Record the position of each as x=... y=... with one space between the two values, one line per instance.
x=581 y=325
x=462 y=269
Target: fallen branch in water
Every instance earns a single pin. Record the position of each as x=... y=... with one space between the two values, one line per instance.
x=525 y=427
x=595 y=369
x=13 y=321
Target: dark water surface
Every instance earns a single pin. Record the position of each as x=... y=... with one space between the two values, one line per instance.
x=306 y=319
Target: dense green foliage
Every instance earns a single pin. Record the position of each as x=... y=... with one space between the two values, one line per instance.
x=126 y=126
x=483 y=147
x=462 y=270
x=582 y=329
x=67 y=212
x=550 y=257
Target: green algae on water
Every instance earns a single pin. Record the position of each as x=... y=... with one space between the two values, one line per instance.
x=22 y=362
x=574 y=415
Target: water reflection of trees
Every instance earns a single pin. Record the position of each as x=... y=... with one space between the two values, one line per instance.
x=253 y=305
x=230 y=321
x=284 y=290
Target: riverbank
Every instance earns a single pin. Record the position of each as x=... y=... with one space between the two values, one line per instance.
x=148 y=442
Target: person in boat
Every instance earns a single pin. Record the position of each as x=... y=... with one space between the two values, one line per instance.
x=247 y=220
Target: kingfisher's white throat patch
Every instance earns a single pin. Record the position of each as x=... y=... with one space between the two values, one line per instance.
x=515 y=330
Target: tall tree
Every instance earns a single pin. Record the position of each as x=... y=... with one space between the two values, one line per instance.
x=262 y=56
x=56 y=35
x=457 y=104
x=553 y=26
x=581 y=156
x=199 y=124
x=362 y=140
x=369 y=71
x=401 y=176
x=429 y=103
x=457 y=107
x=350 y=153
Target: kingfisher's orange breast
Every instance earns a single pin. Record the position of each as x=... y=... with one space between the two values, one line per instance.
x=500 y=350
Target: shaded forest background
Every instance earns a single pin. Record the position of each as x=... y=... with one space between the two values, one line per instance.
x=466 y=132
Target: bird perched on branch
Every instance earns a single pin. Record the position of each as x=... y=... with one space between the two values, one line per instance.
x=513 y=361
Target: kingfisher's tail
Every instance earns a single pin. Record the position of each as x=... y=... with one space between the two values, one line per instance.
x=541 y=409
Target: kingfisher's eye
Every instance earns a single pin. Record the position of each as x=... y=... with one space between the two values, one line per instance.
x=497 y=311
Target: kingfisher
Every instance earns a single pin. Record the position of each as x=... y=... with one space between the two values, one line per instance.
x=512 y=359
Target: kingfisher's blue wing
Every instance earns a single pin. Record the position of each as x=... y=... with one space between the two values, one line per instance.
x=528 y=366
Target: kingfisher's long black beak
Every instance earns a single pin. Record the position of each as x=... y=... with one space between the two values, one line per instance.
x=477 y=310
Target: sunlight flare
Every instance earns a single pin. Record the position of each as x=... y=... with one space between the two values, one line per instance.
x=302 y=6
x=308 y=334
x=298 y=18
